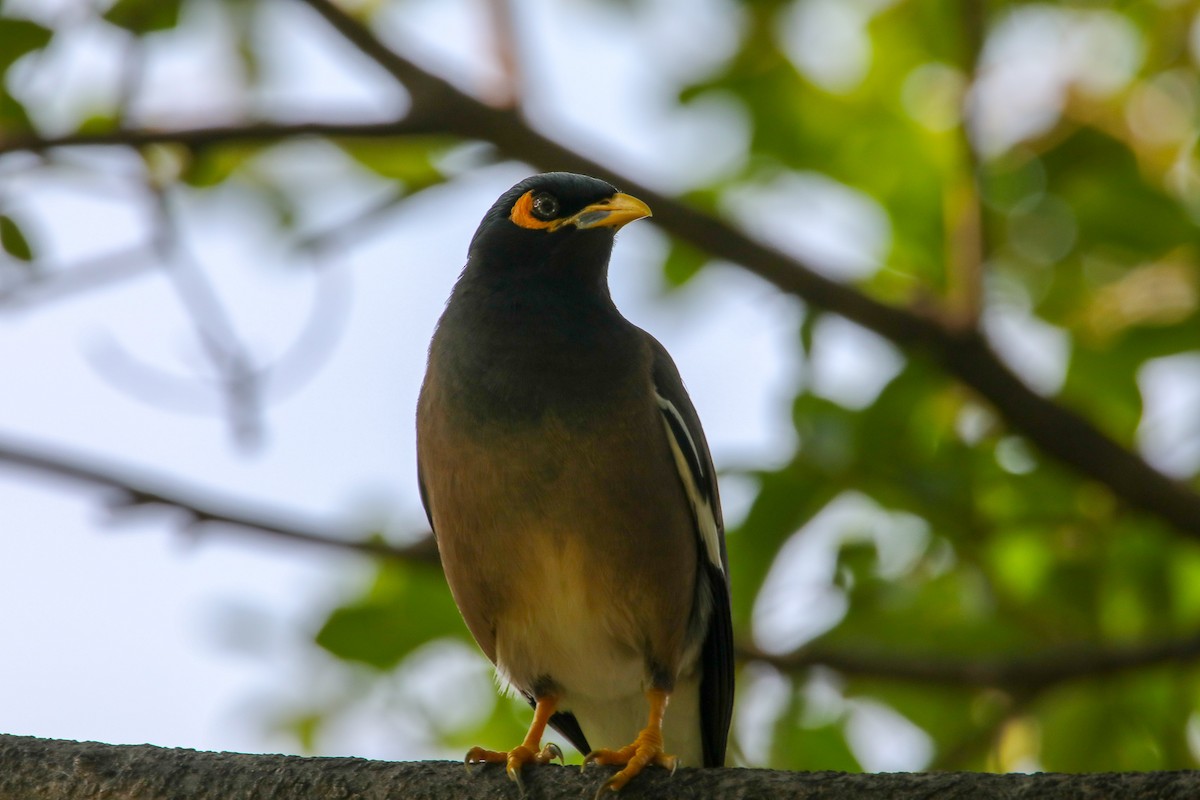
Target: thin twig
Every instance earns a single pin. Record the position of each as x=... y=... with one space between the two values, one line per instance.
x=133 y=74
x=236 y=372
x=966 y=246
x=202 y=509
x=507 y=51
x=25 y=288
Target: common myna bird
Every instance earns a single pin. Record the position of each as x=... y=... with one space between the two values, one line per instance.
x=572 y=494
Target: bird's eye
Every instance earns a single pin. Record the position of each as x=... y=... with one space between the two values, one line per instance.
x=545 y=206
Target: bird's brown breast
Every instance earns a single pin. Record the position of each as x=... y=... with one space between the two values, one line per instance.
x=561 y=544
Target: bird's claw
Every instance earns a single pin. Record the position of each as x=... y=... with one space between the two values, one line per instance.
x=645 y=750
x=514 y=760
x=477 y=755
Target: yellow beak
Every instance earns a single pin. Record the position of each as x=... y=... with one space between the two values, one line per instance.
x=618 y=210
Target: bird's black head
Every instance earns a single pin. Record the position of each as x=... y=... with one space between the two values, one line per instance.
x=554 y=224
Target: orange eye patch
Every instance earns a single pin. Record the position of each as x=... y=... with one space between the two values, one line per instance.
x=522 y=214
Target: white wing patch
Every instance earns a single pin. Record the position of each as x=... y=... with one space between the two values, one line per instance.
x=690 y=465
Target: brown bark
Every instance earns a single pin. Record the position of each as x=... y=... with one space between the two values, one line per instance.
x=47 y=769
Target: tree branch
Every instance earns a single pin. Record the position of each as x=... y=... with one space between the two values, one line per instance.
x=198 y=138
x=47 y=769
x=1021 y=674
x=201 y=509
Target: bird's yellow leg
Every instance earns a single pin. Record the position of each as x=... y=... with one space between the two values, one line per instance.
x=527 y=752
x=646 y=749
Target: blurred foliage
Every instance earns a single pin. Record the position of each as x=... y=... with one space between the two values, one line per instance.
x=13 y=240
x=1077 y=194
x=406 y=607
x=137 y=16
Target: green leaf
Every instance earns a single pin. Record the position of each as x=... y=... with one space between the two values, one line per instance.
x=13 y=116
x=1021 y=561
x=18 y=37
x=1133 y=722
x=306 y=727
x=682 y=263
x=798 y=747
x=100 y=122
x=1091 y=170
x=1103 y=384
x=1185 y=587
x=505 y=723
x=209 y=166
x=1008 y=181
x=405 y=607
x=144 y=16
x=410 y=160
x=13 y=240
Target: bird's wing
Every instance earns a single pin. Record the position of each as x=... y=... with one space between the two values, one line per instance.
x=424 y=496
x=699 y=479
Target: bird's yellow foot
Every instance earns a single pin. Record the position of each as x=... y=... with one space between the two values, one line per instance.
x=526 y=752
x=514 y=760
x=646 y=749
